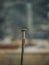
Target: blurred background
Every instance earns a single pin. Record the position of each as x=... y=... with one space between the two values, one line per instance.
x=32 y=15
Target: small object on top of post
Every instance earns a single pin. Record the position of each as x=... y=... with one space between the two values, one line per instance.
x=23 y=42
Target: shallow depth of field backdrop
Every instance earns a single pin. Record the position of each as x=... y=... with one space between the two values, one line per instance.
x=32 y=15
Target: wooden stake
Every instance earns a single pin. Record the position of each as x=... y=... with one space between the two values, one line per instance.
x=23 y=42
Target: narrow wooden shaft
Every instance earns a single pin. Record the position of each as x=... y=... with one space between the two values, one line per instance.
x=23 y=42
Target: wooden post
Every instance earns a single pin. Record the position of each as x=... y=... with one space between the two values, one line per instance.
x=23 y=42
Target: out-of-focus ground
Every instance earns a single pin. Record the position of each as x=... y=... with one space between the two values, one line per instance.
x=13 y=57
x=36 y=52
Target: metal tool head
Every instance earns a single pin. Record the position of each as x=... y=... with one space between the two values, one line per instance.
x=23 y=29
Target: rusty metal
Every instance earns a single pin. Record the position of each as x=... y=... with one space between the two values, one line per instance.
x=23 y=42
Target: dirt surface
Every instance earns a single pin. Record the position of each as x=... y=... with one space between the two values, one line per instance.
x=13 y=57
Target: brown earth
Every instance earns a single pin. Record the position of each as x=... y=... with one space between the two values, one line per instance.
x=12 y=57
